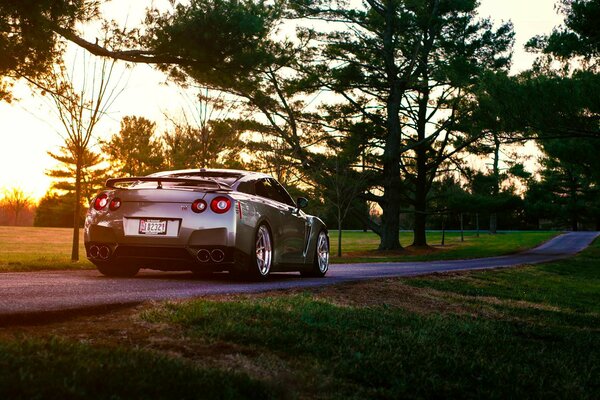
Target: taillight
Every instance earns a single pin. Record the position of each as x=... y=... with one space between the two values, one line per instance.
x=198 y=206
x=115 y=204
x=220 y=204
x=100 y=202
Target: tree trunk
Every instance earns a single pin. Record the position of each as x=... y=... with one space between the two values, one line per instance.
x=477 y=223
x=390 y=227
x=77 y=209
x=493 y=223
x=390 y=218
x=420 y=227
x=339 y=252
x=496 y=187
x=443 y=230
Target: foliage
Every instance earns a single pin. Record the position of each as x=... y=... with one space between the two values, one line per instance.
x=404 y=71
x=580 y=35
x=56 y=210
x=93 y=175
x=207 y=136
x=134 y=151
x=27 y=42
x=411 y=86
x=568 y=191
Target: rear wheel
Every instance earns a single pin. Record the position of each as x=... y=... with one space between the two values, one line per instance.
x=320 y=263
x=261 y=258
x=118 y=269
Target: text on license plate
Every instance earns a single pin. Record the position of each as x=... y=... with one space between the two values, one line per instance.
x=153 y=226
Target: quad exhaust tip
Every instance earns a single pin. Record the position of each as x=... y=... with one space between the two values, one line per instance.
x=216 y=255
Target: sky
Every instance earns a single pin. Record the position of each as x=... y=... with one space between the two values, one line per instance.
x=28 y=130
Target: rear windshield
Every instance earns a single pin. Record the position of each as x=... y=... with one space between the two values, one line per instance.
x=227 y=178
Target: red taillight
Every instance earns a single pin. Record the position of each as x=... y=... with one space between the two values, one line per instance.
x=220 y=204
x=198 y=206
x=101 y=202
x=115 y=204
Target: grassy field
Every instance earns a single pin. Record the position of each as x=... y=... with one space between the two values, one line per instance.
x=361 y=246
x=528 y=332
x=30 y=249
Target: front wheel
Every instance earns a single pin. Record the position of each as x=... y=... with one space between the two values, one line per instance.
x=116 y=269
x=320 y=263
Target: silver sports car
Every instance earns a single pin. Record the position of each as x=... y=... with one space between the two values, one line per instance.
x=203 y=220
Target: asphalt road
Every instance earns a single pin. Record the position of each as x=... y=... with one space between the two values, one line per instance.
x=35 y=294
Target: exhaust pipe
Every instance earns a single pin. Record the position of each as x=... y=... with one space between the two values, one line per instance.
x=203 y=255
x=217 y=255
x=94 y=251
x=104 y=252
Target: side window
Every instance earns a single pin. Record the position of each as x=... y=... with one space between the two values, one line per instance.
x=247 y=187
x=262 y=189
x=284 y=195
x=270 y=189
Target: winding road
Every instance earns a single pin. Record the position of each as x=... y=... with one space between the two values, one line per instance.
x=39 y=293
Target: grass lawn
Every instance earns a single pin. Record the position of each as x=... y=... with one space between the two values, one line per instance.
x=30 y=249
x=527 y=332
x=360 y=246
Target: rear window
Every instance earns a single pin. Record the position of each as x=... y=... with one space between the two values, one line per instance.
x=226 y=178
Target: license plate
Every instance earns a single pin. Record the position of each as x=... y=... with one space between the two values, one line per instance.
x=153 y=227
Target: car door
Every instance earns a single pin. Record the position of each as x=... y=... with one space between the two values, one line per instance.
x=290 y=232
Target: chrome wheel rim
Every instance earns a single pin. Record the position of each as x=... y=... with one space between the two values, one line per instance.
x=263 y=250
x=323 y=252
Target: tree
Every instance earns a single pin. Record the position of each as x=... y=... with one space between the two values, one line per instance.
x=93 y=175
x=206 y=136
x=28 y=44
x=79 y=110
x=56 y=210
x=406 y=69
x=193 y=43
x=16 y=201
x=579 y=37
x=134 y=151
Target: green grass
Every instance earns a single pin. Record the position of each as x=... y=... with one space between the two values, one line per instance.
x=485 y=245
x=30 y=249
x=529 y=332
x=572 y=285
x=58 y=369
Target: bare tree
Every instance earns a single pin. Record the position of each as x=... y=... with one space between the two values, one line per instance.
x=205 y=135
x=16 y=201
x=80 y=102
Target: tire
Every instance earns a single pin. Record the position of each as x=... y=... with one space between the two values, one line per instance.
x=320 y=263
x=116 y=269
x=261 y=258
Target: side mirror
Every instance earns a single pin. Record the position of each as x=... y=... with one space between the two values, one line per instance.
x=302 y=202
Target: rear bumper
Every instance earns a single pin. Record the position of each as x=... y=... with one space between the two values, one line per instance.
x=167 y=258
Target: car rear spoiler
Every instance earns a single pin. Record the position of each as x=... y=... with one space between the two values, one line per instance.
x=112 y=183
